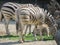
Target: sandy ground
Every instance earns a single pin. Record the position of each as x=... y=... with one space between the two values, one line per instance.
x=28 y=43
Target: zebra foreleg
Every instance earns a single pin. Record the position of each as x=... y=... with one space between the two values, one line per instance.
x=26 y=29
x=41 y=34
x=48 y=31
x=29 y=29
x=34 y=33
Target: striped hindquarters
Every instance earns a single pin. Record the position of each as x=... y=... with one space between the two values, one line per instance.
x=9 y=9
x=35 y=15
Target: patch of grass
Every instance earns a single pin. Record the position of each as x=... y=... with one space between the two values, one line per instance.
x=10 y=37
x=48 y=38
x=28 y=37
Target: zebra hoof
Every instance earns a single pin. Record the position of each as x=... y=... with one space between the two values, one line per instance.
x=20 y=41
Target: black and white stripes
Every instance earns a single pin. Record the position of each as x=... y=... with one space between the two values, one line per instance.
x=9 y=8
x=8 y=11
x=35 y=13
x=50 y=17
x=33 y=16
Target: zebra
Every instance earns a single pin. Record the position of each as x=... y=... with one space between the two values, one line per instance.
x=33 y=16
x=8 y=11
x=44 y=28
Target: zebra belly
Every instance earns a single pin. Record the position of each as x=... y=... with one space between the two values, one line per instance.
x=36 y=22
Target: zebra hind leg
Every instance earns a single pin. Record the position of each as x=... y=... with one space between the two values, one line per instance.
x=17 y=25
x=48 y=31
x=21 y=35
x=6 y=25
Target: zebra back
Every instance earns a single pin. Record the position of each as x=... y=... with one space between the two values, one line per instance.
x=35 y=13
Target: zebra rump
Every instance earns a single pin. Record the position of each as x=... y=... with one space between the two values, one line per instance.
x=8 y=9
x=8 y=12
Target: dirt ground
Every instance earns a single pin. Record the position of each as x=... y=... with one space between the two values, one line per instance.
x=28 y=43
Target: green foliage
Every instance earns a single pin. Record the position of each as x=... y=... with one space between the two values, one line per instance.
x=10 y=37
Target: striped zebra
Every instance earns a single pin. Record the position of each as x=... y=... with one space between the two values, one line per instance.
x=33 y=16
x=8 y=11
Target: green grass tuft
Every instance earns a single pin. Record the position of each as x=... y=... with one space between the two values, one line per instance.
x=28 y=37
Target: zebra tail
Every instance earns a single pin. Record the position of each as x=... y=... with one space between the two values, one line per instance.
x=1 y=16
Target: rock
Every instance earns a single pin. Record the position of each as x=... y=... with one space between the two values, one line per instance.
x=57 y=37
